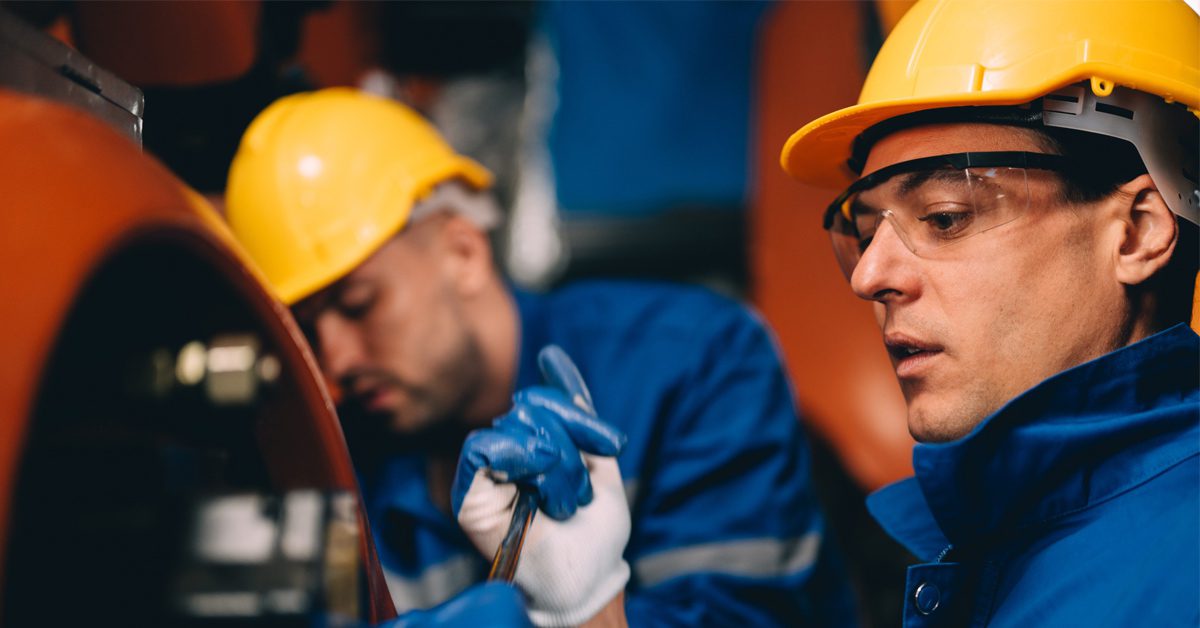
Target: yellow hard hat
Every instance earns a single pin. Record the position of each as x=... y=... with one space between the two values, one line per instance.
x=953 y=53
x=322 y=179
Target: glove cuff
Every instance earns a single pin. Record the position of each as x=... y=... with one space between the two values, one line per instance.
x=603 y=593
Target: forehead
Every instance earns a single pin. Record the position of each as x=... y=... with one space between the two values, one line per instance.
x=943 y=139
x=382 y=264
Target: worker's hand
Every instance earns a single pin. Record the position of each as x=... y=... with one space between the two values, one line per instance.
x=489 y=604
x=551 y=442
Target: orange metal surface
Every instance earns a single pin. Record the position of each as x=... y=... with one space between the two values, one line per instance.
x=74 y=193
x=341 y=42
x=812 y=64
x=890 y=12
x=180 y=43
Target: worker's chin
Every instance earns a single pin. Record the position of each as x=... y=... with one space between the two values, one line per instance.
x=410 y=422
x=428 y=434
x=933 y=420
x=361 y=425
x=383 y=411
x=403 y=423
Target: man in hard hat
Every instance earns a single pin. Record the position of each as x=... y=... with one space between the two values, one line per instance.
x=1020 y=208
x=375 y=232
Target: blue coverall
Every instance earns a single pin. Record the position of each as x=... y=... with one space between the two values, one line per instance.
x=726 y=529
x=1076 y=504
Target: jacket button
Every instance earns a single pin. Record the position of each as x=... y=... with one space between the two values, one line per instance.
x=926 y=598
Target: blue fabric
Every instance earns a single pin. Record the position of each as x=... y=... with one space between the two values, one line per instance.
x=491 y=604
x=715 y=455
x=411 y=533
x=1077 y=503
x=654 y=103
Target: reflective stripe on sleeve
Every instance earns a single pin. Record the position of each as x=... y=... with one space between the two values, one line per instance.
x=755 y=558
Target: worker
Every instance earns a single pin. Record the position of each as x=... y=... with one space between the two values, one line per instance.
x=1020 y=209
x=375 y=232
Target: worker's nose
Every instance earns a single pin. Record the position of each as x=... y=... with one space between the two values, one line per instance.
x=886 y=272
x=339 y=345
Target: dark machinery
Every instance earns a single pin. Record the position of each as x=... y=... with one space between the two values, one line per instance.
x=168 y=453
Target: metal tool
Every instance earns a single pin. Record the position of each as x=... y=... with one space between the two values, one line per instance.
x=504 y=563
x=558 y=368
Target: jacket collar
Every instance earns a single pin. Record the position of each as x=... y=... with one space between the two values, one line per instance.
x=1080 y=437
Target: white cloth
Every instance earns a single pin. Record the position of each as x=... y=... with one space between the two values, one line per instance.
x=569 y=569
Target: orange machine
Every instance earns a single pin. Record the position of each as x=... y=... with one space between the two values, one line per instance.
x=811 y=63
x=168 y=454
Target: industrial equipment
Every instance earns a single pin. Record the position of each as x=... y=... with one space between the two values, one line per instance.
x=168 y=453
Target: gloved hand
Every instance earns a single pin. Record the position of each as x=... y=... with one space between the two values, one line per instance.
x=488 y=604
x=552 y=443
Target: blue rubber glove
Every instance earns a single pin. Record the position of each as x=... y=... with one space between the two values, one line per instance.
x=489 y=604
x=552 y=443
x=538 y=443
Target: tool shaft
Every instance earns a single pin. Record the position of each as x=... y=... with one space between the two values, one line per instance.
x=504 y=564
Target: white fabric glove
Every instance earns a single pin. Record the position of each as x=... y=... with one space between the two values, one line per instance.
x=551 y=442
x=569 y=569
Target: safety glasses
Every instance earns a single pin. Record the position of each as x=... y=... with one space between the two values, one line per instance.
x=933 y=202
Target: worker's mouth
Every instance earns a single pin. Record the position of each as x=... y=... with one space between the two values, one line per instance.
x=370 y=394
x=911 y=357
x=376 y=399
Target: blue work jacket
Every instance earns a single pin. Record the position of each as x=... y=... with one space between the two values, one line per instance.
x=1076 y=504
x=726 y=529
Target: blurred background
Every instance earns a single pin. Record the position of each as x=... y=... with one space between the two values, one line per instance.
x=634 y=139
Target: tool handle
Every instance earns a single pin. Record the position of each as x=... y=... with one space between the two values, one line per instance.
x=559 y=371
x=504 y=563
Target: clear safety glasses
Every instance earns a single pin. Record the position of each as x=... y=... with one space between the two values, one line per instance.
x=933 y=202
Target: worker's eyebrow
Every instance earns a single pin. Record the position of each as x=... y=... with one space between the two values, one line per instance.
x=914 y=180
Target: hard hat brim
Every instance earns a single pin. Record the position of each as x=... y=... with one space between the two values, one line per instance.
x=817 y=153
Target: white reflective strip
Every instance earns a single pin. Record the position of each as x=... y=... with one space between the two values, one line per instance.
x=435 y=585
x=754 y=558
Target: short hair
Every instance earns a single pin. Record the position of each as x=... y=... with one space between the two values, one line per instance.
x=1096 y=164
x=457 y=197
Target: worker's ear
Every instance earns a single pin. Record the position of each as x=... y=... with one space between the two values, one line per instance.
x=1150 y=231
x=466 y=254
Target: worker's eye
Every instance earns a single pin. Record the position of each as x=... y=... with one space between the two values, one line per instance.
x=947 y=221
x=356 y=302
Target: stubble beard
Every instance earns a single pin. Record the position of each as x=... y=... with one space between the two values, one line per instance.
x=439 y=420
x=432 y=417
